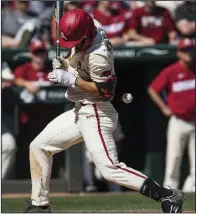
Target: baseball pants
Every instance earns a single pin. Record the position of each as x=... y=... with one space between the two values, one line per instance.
x=180 y=134
x=93 y=124
x=8 y=153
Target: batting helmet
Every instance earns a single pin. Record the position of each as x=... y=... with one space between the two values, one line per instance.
x=74 y=26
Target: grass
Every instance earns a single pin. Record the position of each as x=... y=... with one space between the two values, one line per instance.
x=99 y=203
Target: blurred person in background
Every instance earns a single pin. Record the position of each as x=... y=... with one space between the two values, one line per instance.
x=68 y=5
x=32 y=78
x=178 y=80
x=37 y=8
x=43 y=11
x=13 y=19
x=113 y=19
x=89 y=6
x=151 y=25
x=33 y=74
x=170 y=5
x=185 y=16
x=8 y=144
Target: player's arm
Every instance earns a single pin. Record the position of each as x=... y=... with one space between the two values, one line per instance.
x=170 y=26
x=22 y=82
x=87 y=86
x=156 y=98
x=160 y=83
x=19 y=74
x=102 y=75
x=101 y=69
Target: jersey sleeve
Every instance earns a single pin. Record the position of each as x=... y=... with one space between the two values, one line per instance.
x=19 y=72
x=169 y=22
x=101 y=66
x=160 y=83
x=135 y=20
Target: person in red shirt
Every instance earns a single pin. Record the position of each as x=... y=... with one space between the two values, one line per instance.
x=151 y=25
x=178 y=80
x=113 y=19
x=30 y=74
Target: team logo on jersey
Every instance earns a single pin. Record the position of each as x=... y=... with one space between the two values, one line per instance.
x=185 y=85
x=180 y=76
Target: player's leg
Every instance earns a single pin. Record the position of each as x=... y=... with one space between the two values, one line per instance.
x=58 y=135
x=97 y=133
x=8 y=153
x=189 y=184
x=88 y=172
x=176 y=142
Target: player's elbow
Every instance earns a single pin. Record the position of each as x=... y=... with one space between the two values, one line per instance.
x=132 y=34
x=19 y=82
x=151 y=91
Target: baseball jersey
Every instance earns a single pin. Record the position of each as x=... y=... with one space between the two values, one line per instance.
x=155 y=25
x=96 y=64
x=28 y=72
x=180 y=85
x=114 y=25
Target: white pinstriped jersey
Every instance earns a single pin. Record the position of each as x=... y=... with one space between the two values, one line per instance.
x=92 y=65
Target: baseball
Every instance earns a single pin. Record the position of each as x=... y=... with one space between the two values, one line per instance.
x=127 y=98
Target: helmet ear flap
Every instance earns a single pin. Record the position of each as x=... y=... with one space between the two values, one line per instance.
x=82 y=43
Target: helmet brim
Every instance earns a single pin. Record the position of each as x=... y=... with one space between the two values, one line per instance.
x=68 y=44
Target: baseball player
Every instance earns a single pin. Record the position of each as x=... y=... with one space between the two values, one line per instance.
x=91 y=80
x=178 y=79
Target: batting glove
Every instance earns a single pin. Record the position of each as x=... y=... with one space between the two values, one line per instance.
x=60 y=62
x=62 y=77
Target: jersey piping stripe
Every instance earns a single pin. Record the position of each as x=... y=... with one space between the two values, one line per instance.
x=105 y=148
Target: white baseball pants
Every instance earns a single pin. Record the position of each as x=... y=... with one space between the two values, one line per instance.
x=179 y=135
x=8 y=153
x=92 y=123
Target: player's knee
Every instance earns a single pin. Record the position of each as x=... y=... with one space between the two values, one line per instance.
x=35 y=146
x=106 y=172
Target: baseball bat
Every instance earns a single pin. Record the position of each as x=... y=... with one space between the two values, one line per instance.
x=58 y=14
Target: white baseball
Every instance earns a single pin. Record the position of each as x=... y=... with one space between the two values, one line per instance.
x=127 y=98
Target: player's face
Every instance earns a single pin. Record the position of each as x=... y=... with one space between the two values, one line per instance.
x=39 y=59
x=150 y=5
x=185 y=55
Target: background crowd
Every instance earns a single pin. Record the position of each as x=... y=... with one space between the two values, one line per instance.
x=123 y=21
x=31 y=24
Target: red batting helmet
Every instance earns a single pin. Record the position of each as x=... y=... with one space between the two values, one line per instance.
x=74 y=26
